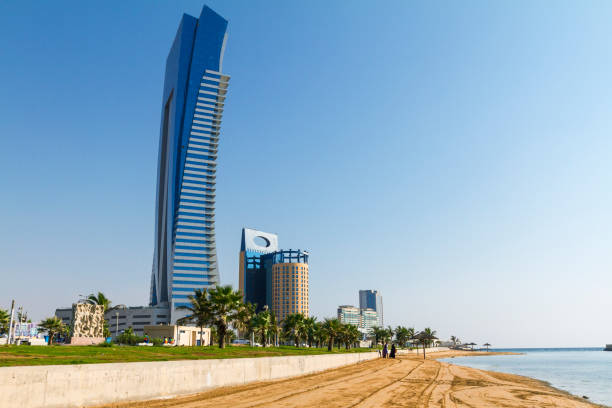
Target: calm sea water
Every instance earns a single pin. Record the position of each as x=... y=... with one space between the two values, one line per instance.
x=580 y=371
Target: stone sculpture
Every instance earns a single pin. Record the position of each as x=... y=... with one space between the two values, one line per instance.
x=87 y=324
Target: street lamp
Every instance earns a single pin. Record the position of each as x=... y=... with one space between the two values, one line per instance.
x=116 y=308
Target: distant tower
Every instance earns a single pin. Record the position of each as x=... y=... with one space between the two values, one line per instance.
x=254 y=280
x=289 y=282
x=372 y=299
x=185 y=256
x=273 y=277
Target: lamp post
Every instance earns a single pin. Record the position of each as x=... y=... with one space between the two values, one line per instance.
x=11 y=322
x=116 y=308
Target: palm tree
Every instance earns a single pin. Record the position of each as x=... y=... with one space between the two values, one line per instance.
x=263 y=325
x=199 y=310
x=332 y=328
x=320 y=334
x=245 y=320
x=310 y=326
x=343 y=335
x=378 y=333
x=410 y=332
x=225 y=305
x=100 y=299
x=52 y=325
x=487 y=345
x=454 y=340
x=275 y=329
x=350 y=334
x=4 y=321
x=426 y=337
x=401 y=335
x=388 y=334
x=294 y=327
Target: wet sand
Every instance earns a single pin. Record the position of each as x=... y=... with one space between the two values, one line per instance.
x=408 y=381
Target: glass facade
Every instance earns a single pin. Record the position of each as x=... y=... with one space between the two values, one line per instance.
x=368 y=319
x=185 y=256
x=372 y=299
x=272 y=277
x=349 y=315
x=255 y=271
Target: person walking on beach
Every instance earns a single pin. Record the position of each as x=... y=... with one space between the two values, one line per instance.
x=393 y=350
x=385 y=351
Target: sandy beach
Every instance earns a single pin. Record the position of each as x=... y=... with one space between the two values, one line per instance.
x=408 y=381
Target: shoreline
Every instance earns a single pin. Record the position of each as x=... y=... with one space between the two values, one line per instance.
x=523 y=378
x=405 y=381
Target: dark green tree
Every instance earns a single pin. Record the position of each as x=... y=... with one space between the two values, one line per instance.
x=332 y=329
x=294 y=327
x=52 y=326
x=199 y=311
x=225 y=304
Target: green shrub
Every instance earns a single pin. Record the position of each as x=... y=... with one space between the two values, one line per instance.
x=157 y=341
x=128 y=337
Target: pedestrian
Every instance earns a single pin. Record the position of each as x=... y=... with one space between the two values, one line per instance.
x=385 y=351
x=393 y=350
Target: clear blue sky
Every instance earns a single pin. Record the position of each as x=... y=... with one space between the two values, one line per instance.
x=455 y=156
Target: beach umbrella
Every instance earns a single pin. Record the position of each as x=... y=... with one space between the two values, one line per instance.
x=472 y=344
x=487 y=345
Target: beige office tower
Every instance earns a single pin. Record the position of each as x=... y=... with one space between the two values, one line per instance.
x=290 y=283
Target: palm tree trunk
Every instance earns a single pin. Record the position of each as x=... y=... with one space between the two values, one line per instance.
x=222 y=329
x=424 y=350
x=330 y=344
x=201 y=336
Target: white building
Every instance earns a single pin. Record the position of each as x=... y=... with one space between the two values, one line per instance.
x=349 y=315
x=136 y=317
x=372 y=299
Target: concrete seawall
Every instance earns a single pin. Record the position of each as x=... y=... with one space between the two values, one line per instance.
x=94 y=384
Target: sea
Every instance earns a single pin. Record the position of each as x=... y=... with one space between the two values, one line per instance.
x=579 y=371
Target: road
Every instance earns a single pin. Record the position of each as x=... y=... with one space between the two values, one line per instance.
x=402 y=382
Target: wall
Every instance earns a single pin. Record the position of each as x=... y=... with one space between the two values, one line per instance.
x=93 y=384
x=420 y=350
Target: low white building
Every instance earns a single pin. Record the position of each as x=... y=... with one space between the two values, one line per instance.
x=181 y=335
x=136 y=317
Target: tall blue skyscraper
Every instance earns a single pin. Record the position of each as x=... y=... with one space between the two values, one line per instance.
x=372 y=299
x=185 y=256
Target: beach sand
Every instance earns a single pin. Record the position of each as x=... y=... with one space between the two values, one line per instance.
x=408 y=381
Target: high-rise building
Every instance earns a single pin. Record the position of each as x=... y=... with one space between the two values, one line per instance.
x=372 y=299
x=254 y=280
x=368 y=318
x=289 y=282
x=185 y=256
x=269 y=276
x=349 y=315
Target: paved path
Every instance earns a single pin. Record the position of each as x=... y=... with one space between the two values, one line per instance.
x=408 y=381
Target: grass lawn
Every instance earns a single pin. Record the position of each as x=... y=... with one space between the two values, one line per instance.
x=54 y=355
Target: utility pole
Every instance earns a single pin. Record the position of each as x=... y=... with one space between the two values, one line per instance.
x=11 y=322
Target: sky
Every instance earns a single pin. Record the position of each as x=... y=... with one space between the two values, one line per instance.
x=454 y=156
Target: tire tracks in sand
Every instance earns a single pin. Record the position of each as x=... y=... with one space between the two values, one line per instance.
x=406 y=382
